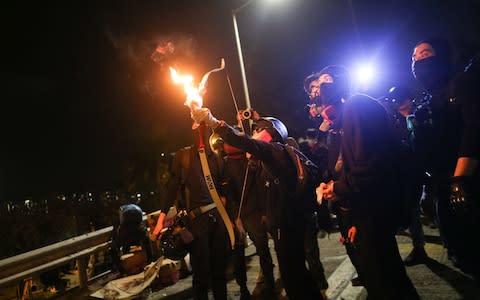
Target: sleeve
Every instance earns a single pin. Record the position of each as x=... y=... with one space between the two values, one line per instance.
x=271 y=154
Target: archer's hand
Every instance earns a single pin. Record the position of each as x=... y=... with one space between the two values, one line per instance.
x=200 y=115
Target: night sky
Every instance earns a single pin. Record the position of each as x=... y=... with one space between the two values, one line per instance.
x=82 y=96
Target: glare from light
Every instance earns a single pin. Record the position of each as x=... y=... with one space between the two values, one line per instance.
x=363 y=76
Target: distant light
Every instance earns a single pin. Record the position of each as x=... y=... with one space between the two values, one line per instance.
x=139 y=195
x=162 y=154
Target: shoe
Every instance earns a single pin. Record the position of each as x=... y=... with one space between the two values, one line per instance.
x=245 y=293
x=417 y=256
x=357 y=281
x=268 y=293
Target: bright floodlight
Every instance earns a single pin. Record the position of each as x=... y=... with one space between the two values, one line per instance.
x=364 y=74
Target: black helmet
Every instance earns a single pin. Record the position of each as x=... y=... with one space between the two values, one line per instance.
x=130 y=214
x=339 y=88
x=274 y=126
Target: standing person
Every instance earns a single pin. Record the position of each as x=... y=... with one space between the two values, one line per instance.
x=326 y=90
x=284 y=206
x=251 y=218
x=208 y=250
x=400 y=105
x=317 y=216
x=365 y=186
x=448 y=139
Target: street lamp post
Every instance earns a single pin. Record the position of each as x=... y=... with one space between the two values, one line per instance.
x=240 y=55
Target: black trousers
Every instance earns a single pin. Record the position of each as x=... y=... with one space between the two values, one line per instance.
x=259 y=235
x=459 y=227
x=208 y=254
x=312 y=252
x=289 y=240
x=379 y=261
x=344 y=224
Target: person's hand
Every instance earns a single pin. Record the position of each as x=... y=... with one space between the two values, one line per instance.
x=325 y=191
x=155 y=235
x=200 y=115
x=352 y=233
x=241 y=230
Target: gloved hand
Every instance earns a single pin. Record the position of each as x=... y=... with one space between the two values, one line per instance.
x=462 y=193
x=204 y=115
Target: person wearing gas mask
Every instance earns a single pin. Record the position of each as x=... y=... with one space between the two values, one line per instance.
x=447 y=132
x=208 y=242
x=364 y=183
x=284 y=205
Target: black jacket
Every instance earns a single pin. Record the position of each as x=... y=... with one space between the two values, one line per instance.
x=277 y=174
x=367 y=181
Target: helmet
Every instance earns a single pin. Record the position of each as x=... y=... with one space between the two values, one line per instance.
x=274 y=126
x=130 y=214
x=333 y=92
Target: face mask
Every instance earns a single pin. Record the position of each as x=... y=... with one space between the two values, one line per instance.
x=430 y=70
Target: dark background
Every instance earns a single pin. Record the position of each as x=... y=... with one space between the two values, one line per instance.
x=85 y=107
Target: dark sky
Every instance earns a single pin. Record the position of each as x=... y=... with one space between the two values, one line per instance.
x=82 y=95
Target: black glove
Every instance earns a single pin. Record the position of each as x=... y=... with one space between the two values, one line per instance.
x=462 y=193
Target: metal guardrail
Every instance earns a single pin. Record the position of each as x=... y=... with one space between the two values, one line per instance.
x=15 y=269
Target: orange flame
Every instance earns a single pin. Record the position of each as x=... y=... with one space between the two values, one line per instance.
x=192 y=92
